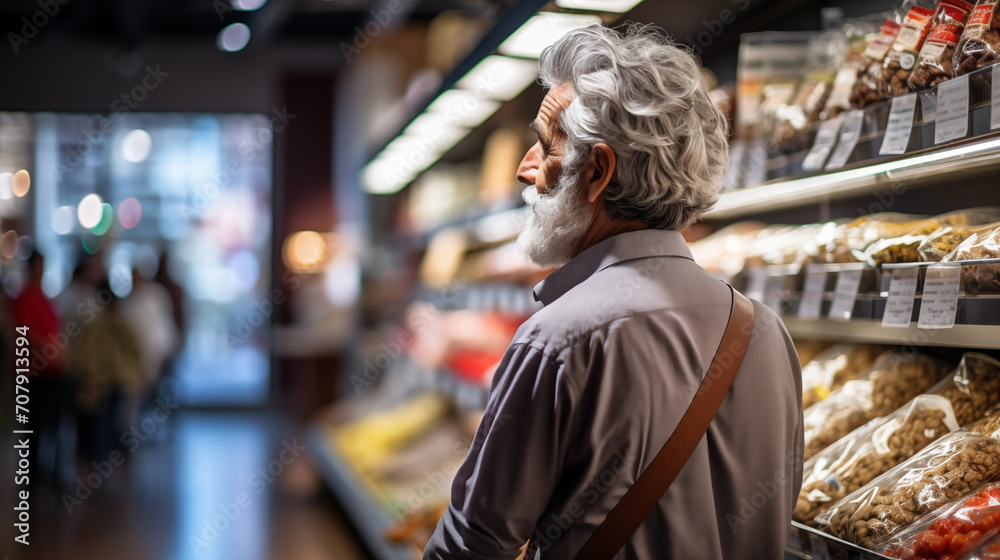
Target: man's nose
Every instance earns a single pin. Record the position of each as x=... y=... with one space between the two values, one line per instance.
x=528 y=170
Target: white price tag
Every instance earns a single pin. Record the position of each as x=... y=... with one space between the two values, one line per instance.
x=952 y=110
x=756 y=284
x=899 y=306
x=772 y=293
x=826 y=136
x=850 y=131
x=848 y=282
x=897 y=130
x=995 y=98
x=812 y=295
x=939 y=303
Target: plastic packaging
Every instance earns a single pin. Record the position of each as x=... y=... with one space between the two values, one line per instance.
x=946 y=239
x=905 y=248
x=792 y=131
x=863 y=89
x=979 y=278
x=890 y=382
x=848 y=242
x=934 y=63
x=883 y=443
x=946 y=470
x=979 y=45
x=955 y=529
x=835 y=366
x=891 y=78
x=860 y=34
x=807 y=350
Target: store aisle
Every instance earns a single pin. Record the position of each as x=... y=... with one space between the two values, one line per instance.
x=202 y=485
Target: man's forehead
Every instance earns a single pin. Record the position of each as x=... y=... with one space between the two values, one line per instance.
x=557 y=99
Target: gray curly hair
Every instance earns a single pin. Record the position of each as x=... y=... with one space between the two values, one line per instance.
x=643 y=96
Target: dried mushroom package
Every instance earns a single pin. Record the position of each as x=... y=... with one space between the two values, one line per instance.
x=979 y=45
x=948 y=469
x=835 y=366
x=956 y=528
x=905 y=247
x=863 y=88
x=934 y=63
x=978 y=278
x=854 y=460
x=868 y=451
x=890 y=382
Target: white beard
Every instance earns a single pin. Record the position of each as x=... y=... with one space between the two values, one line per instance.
x=557 y=223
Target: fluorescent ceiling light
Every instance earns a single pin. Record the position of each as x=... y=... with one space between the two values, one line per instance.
x=500 y=77
x=410 y=154
x=543 y=30
x=613 y=6
x=463 y=108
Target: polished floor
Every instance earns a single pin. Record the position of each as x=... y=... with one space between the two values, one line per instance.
x=201 y=486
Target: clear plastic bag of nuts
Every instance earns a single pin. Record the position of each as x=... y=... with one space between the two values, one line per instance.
x=946 y=239
x=888 y=384
x=946 y=470
x=854 y=460
x=905 y=247
x=978 y=278
x=835 y=366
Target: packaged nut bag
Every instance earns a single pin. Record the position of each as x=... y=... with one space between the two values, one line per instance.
x=835 y=366
x=947 y=238
x=863 y=90
x=978 y=278
x=952 y=467
x=952 y=531
x=891 y=78
x=860 y=34
x=979 y=45
x=905 y=248
x=854 y=460
x=934 y=63
x=890 y=382
x=849 y=241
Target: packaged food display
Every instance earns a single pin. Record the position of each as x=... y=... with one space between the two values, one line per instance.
x=989 y=550
x=809 y=349
x=883 y=443
x=863 y=89
x=792 y=131
x=869 y=451
x=979 y=277
x=724 y=252
x=835 y=366
x=979 y=45
x=905 y=248
x=946 y=239
x=934 y=63
x=953 y=531
x=946 y=470
x=860 y=35
x=848 y=242
x=891 y=78
x=890 y=382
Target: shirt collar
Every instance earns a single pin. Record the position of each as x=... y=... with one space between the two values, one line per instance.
x=613 y=250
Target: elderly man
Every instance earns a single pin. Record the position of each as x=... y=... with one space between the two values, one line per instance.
x=630 y=151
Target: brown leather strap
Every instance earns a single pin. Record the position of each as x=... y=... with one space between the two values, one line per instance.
x=640 y=500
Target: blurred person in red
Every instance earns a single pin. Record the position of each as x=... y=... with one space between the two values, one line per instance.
x=48 y=388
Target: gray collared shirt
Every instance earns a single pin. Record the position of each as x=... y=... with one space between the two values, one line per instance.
x=592 y=386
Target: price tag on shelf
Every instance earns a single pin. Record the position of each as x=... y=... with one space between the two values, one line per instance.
x=899 y=306
x=848 y=282
x=773 y=296
x=897 y=130
x=850 y=131
x=995 y=99
x=756 y=284
x=812 y=295
x=939 y=302
x=826 y=137
x=952 y=110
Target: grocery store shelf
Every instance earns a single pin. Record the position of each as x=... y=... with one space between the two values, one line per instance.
x=370 y=519
x=869 y=330
x=957 y=161
x=807 y=542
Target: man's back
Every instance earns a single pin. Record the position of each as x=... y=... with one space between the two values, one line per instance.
x=592 y=387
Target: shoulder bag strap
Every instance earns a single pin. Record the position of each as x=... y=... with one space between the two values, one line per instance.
x=643 y=496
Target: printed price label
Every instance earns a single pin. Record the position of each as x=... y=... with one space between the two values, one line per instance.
x=899 y=306
x=897 y=130
x=848 y=282
x=952 y=110
x=939 y=303
x=826 y=136
x=995 y=98
x=812 y=295
x=850 y=131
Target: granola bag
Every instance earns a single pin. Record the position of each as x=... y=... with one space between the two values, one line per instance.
x=835 y=366
x=977 y=278
x=955 y=529
x=934 y=63
x=979 y=45
x=948 y=469
x=890 y=382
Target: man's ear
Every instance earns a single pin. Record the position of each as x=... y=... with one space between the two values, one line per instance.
x=600 y=169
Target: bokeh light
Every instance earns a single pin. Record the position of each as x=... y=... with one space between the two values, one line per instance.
x=62 y=220
x=90 y=211
x=20 y=183
x=304 y=251
x=107 y=218
x=25 y=245
x=136 y=145
x=91 y=243
x=233 y=37
x=248 y=5
x=8 y=244
x=129 y=212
